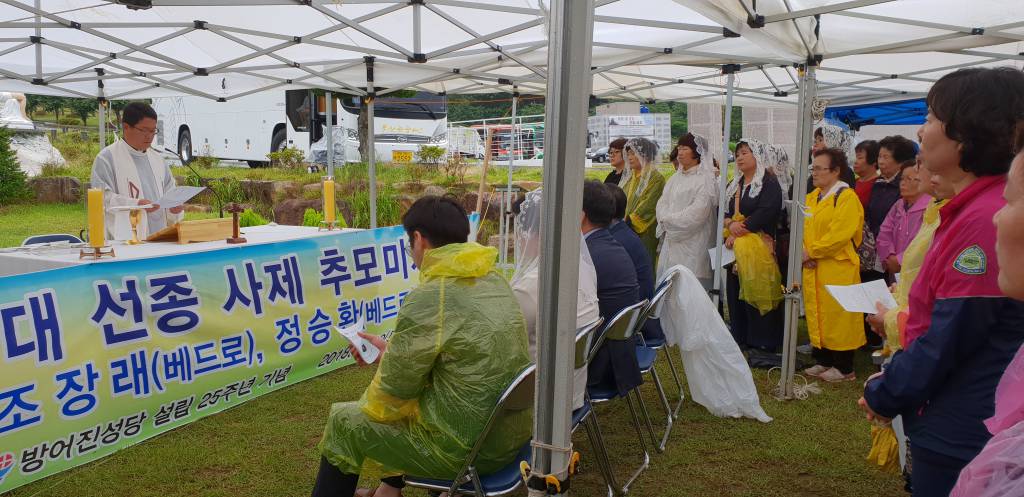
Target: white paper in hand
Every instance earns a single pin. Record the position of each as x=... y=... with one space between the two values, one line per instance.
x=367 y=351
x=177 y=196
x=863 y=297
x=728 y=256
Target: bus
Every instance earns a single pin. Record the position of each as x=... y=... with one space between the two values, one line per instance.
x=250 y=127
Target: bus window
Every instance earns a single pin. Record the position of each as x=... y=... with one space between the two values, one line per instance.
x=297 y=108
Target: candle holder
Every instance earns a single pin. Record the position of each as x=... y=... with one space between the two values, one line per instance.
x=328 y=226
x=236 y=237
x=96 y=252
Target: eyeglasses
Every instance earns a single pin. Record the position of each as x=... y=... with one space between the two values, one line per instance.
x=615 y=151
x=408 y=250
x=149 y=132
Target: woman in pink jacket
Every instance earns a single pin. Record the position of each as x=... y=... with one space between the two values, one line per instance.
x=903 y=221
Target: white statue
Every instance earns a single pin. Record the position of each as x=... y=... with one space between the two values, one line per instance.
x=12 y=111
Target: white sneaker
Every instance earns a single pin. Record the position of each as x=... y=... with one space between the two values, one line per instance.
x=815 y=370
x=805 y=349
x=833 y=375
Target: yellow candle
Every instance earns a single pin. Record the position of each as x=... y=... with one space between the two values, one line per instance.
x=329 y=200
x=97 y=232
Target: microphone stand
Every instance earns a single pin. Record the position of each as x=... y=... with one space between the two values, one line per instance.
x=199 y=177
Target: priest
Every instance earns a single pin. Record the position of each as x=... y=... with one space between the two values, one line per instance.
x=131 y=173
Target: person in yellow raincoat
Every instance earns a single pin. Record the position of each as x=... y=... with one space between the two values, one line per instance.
x=459 y=341
x=831 y=236
x=643 y=185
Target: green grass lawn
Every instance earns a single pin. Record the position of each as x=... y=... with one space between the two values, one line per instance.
x=267 y=447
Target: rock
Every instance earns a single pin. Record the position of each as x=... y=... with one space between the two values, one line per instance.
x=198 y=208
x=34 y=150
x=527 y=185
x=311 y=187
x=434 y=190
x=285 y=188
x=290 y=211
x=491 y=206
x=264 y=192
x=58 y=189
x=413 y=187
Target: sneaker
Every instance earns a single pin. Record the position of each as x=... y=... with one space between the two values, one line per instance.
x=815 y=370
x=833 y=375
x=805 y=349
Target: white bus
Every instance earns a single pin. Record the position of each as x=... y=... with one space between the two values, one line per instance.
x=250 y=127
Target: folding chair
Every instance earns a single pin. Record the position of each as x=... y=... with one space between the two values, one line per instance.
x=619 y=328
x=55 y=237
x=468 y=481
x=585 y=415
x=647 y=354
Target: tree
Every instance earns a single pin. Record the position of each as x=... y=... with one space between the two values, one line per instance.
x=83 y=107
x=12 y=178
x=54 y=105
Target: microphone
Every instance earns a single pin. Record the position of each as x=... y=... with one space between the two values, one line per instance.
x=216 y=194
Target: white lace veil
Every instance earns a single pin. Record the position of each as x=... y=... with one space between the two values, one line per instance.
x=527 y=238
x=647 y=151
x=766 y=155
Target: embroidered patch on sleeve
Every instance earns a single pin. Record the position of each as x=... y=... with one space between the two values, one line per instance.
x=971 y=261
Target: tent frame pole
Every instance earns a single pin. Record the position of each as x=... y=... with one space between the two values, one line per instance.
x=329 y=114
x=723 y=180
x=371 y=148
x=794 y=273
x=571 y=32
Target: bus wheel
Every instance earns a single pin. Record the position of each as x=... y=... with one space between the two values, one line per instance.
x=279 y=141
x=185 y=146
x=257 y=163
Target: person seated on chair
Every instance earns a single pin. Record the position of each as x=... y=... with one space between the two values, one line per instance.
x=459 y=341
x=641 y=260
x=615 y=365
x=526 y=285
x=131 y=172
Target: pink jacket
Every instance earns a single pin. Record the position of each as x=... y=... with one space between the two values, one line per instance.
x=900 y=227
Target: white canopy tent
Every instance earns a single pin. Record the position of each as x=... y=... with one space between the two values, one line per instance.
x=737 y=52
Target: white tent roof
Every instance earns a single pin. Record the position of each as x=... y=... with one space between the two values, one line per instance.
x=643 y=49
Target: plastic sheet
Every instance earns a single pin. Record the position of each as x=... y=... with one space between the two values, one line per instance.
x=459 y=341
x=716 y=371
x=884 y=449
x=760 y=279
x=318 y=149
x=998 y=471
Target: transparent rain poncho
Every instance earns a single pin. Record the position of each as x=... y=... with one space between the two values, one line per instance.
x=526 y=283
x=458 y=343
x=686 y=215
x=643 y=190
x=758 y=272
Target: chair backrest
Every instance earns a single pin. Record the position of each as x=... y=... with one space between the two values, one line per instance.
x=653 y=308
x=620 y=327
x=54 y=237
x=517 y=397
x=584 y=338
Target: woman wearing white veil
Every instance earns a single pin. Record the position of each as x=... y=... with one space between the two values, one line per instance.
x=526 y=285
x=686 y=210
x=643 y=185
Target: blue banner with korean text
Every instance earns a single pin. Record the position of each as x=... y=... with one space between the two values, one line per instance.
x=102 y=356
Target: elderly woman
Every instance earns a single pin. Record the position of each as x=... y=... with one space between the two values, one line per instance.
x=961 y=330
x=526 y=284
x=903 y=221
x=686 y=210
x=643 y=185
x=997 y=471
x=831 y=235
x=752 y=218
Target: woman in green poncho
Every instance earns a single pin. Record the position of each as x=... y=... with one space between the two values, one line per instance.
x=643 y=185
x=459 y=341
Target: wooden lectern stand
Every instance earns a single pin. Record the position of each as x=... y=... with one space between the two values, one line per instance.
x=200 y=230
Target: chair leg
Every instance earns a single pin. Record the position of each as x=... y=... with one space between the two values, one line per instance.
x=679 y=383
x=668 y=411
x=601 y=453
x=643 y=445
x=647 y=419
x=478 y=487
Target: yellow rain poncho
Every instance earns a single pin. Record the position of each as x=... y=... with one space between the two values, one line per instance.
x=884 y=450
x=643 y=190
x=459 y=341
x=760 y=279
x=913 y=258
x=831 y=236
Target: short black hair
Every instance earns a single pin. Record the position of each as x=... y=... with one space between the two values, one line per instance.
x=836 y=159
x=620 y=200
x=819 y=133
x=980 y=108
x=870 y=149
x=137 y=111
x=441 y=220
x=617 y=144
x=907 y=164
x=688 y=140
x=598 y=204
x=901 y=148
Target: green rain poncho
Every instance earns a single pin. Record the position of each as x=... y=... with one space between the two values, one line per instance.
x=459 y=341
x=643 y=191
